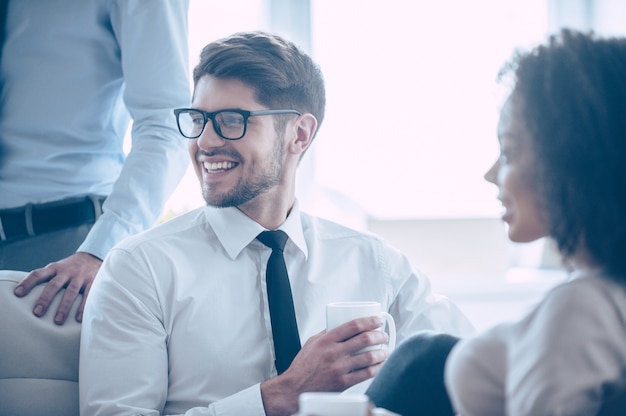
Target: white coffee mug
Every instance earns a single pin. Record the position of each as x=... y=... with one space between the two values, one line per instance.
x=338 y=313
x=332 y=404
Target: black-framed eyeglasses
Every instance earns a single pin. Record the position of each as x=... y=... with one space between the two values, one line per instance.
x=230 y=124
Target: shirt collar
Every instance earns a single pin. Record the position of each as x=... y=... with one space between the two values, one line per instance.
x=235 y=230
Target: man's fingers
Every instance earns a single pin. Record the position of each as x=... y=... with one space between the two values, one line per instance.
x=369 y=358
x=81 y=307
x=71 y=293
x=33 y=279
x=54 y=286
x=357 y=376
x=75 y=273
x=356 y=326
x=366 y=339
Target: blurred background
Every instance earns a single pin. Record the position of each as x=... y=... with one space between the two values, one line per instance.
x=412 y=107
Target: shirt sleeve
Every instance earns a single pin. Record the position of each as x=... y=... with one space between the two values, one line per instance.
x=152 y=37
x=414 y=305
x=475 y=371
x=124 y=359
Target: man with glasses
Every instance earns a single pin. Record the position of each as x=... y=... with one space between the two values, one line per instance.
x=183 y=318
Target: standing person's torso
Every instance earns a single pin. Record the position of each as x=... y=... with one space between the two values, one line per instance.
x=62 y=121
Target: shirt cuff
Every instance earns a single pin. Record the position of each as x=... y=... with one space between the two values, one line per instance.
x=104 y=234
x=246 y=402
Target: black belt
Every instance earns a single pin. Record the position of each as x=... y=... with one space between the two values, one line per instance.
x=35 y=219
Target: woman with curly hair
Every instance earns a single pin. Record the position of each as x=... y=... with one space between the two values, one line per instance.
x=561 y=174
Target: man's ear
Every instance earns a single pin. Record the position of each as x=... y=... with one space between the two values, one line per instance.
x=305 y=128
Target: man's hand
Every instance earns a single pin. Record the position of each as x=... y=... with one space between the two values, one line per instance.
x=75 y=273
x=327 y=362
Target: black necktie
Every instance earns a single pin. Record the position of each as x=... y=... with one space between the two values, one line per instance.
x=282 y=314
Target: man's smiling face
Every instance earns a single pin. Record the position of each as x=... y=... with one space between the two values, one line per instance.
x=234 y=172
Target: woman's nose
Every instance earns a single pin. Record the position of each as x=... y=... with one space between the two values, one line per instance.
x=492 y=174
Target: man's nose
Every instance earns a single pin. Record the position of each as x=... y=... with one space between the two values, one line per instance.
x=209 y=137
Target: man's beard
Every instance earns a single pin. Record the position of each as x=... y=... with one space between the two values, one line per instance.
x=266 y=177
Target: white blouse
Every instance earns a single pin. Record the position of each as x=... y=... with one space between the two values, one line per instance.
x=563 y=358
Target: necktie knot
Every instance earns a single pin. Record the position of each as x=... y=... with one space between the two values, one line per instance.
x=275 y=240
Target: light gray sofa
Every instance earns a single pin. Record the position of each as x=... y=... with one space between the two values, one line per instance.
x=38 y=359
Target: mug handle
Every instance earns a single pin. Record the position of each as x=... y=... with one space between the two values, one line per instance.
x=391 y=326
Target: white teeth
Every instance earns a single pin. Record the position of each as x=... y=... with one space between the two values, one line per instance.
x=218 y=166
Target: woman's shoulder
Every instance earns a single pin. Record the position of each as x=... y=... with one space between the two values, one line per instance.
x=586 y=293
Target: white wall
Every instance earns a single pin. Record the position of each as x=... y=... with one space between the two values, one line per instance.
x=472 y=262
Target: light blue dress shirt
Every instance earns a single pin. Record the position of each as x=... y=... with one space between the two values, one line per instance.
x=74 y=73
x=178 y=322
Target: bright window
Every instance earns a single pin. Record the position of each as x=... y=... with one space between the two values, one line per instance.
x=413 y=100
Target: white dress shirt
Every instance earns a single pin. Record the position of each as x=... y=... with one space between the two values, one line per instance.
x=177 y=321
x=561 y=359
x=73 y=72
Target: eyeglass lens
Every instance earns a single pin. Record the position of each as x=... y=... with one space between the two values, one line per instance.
x=228 y=124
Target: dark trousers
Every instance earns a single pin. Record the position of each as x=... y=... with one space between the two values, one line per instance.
x=34 y=252
x=33 y=236
x=411 y=380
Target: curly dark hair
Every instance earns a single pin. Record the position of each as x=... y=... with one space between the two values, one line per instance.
x=281 y=74
x=573 y=95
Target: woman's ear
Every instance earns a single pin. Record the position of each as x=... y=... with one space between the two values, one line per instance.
x=305 y=128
